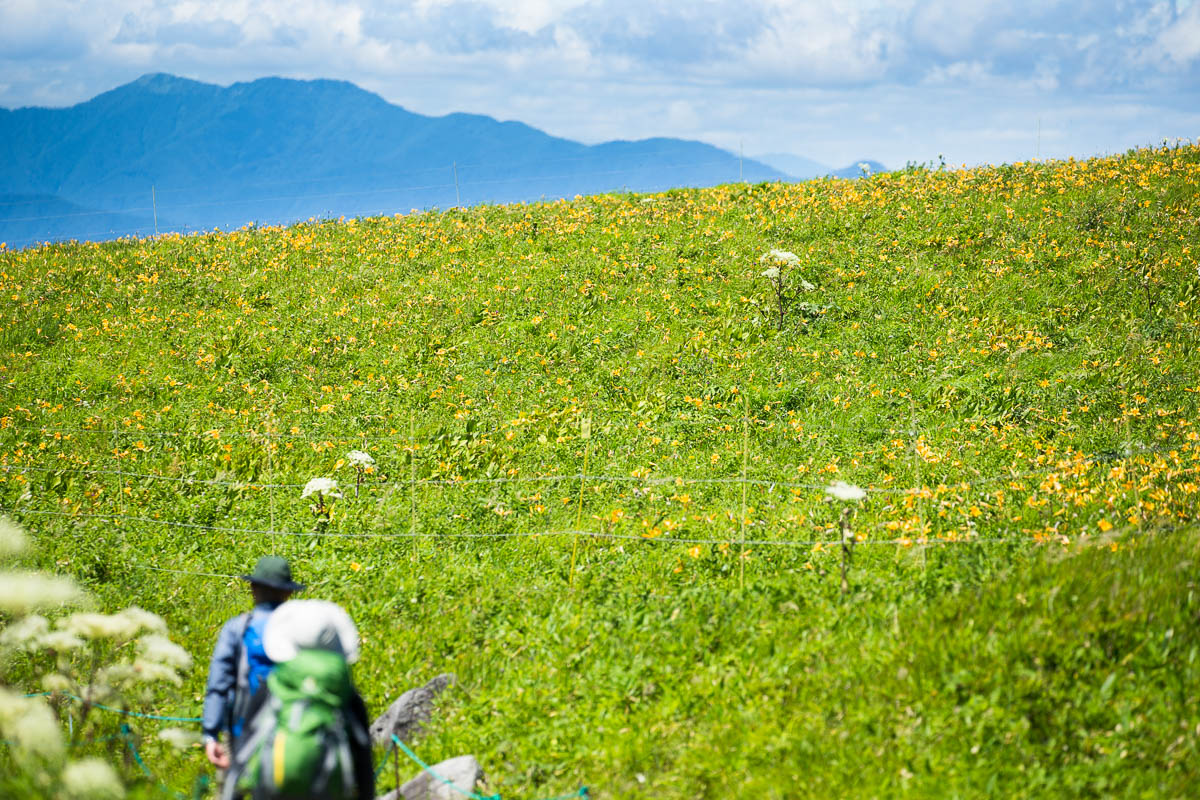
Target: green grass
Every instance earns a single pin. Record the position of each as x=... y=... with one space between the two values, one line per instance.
x=1006 y=357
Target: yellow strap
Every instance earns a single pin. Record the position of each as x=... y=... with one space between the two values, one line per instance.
x=278 y=757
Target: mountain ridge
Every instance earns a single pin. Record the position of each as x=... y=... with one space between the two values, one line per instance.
x=275 y=150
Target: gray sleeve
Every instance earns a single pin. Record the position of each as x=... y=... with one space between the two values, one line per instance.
x=222 y=675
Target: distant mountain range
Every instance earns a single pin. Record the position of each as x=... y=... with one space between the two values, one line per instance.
x=169 y=153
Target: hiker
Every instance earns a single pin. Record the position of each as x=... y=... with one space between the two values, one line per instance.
x=239 y=662
x=306 y=734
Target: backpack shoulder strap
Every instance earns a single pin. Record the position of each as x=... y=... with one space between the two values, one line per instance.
x=239 y=697
x=244 y=619
x=259 y=729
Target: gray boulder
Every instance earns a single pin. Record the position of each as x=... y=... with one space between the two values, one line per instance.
x=463 y=771
x=410 y=712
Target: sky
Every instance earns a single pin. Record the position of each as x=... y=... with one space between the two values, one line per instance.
x=837 y=81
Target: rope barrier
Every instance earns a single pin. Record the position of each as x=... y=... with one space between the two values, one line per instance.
x=110 y=709
x=127 y=735
x=581 y=792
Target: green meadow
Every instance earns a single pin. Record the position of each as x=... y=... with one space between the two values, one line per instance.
x=602 y=439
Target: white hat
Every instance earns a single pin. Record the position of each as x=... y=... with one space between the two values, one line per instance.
x=309 y=625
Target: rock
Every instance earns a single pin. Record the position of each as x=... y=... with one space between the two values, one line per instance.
x=463 y=771
x=410 y=712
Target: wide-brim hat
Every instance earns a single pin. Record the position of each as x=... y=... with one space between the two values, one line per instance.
x=274 y=572
x=309 y=625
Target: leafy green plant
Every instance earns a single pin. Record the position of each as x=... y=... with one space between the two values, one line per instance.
x=783 y=275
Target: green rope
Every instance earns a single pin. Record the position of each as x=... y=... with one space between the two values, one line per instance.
x=581 y=792
x=473 y=795
x=383 y=761
x=127 y=735
x=102 y=707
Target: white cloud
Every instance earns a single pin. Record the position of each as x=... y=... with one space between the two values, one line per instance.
x=1180 y=42
x=843 y=79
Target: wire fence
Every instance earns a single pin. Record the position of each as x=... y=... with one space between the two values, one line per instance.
x=467 y=535
x=1074 y=465
x=663 y=480
x=909 y=530
x=1063 y=466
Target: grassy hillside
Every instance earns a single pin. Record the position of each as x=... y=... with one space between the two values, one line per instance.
x=1005 y=359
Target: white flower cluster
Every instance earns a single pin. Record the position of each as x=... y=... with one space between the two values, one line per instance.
x=847 y=493
x=25 y=592
x=322 y=487
x=359 y=459
x=132 y=648
x=92 y=779
x=12 y=538
x=30 y=724
x=780 y=258
x=180 y=738
x=776 y=261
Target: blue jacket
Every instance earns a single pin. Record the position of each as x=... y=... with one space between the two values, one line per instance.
x=220 y=693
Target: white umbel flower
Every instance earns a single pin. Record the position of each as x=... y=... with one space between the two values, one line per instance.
x=325 y=487
x=60 y=641
x=12 y=538
x=359 y=459
x=91 y=779
x=145 y=620
x=25 y=633
x=782 y=257
x=179 y=738
x=840 y=490
x=23 y=592
x=162 y=650
x=121 y=626
x=151 y=672
x=30 y=724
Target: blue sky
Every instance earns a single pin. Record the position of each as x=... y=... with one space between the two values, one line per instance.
x=837 y=81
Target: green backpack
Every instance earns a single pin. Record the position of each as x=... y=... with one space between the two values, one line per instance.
x=298 y=744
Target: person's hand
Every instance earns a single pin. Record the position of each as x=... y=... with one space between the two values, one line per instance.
x=217 y=754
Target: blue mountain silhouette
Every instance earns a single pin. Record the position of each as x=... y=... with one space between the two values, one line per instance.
x=198 y=156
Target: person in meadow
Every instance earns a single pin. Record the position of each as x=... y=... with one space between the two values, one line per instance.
x=306 y=733
x=240 y=664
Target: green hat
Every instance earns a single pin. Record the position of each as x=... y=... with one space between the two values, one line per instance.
x=274 y=571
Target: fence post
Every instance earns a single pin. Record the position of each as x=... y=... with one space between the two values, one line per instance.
x=585 y=433
x=742 y=519
x=919 y=504
x=271 y=490
x=412 y=486
x=847 y=546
